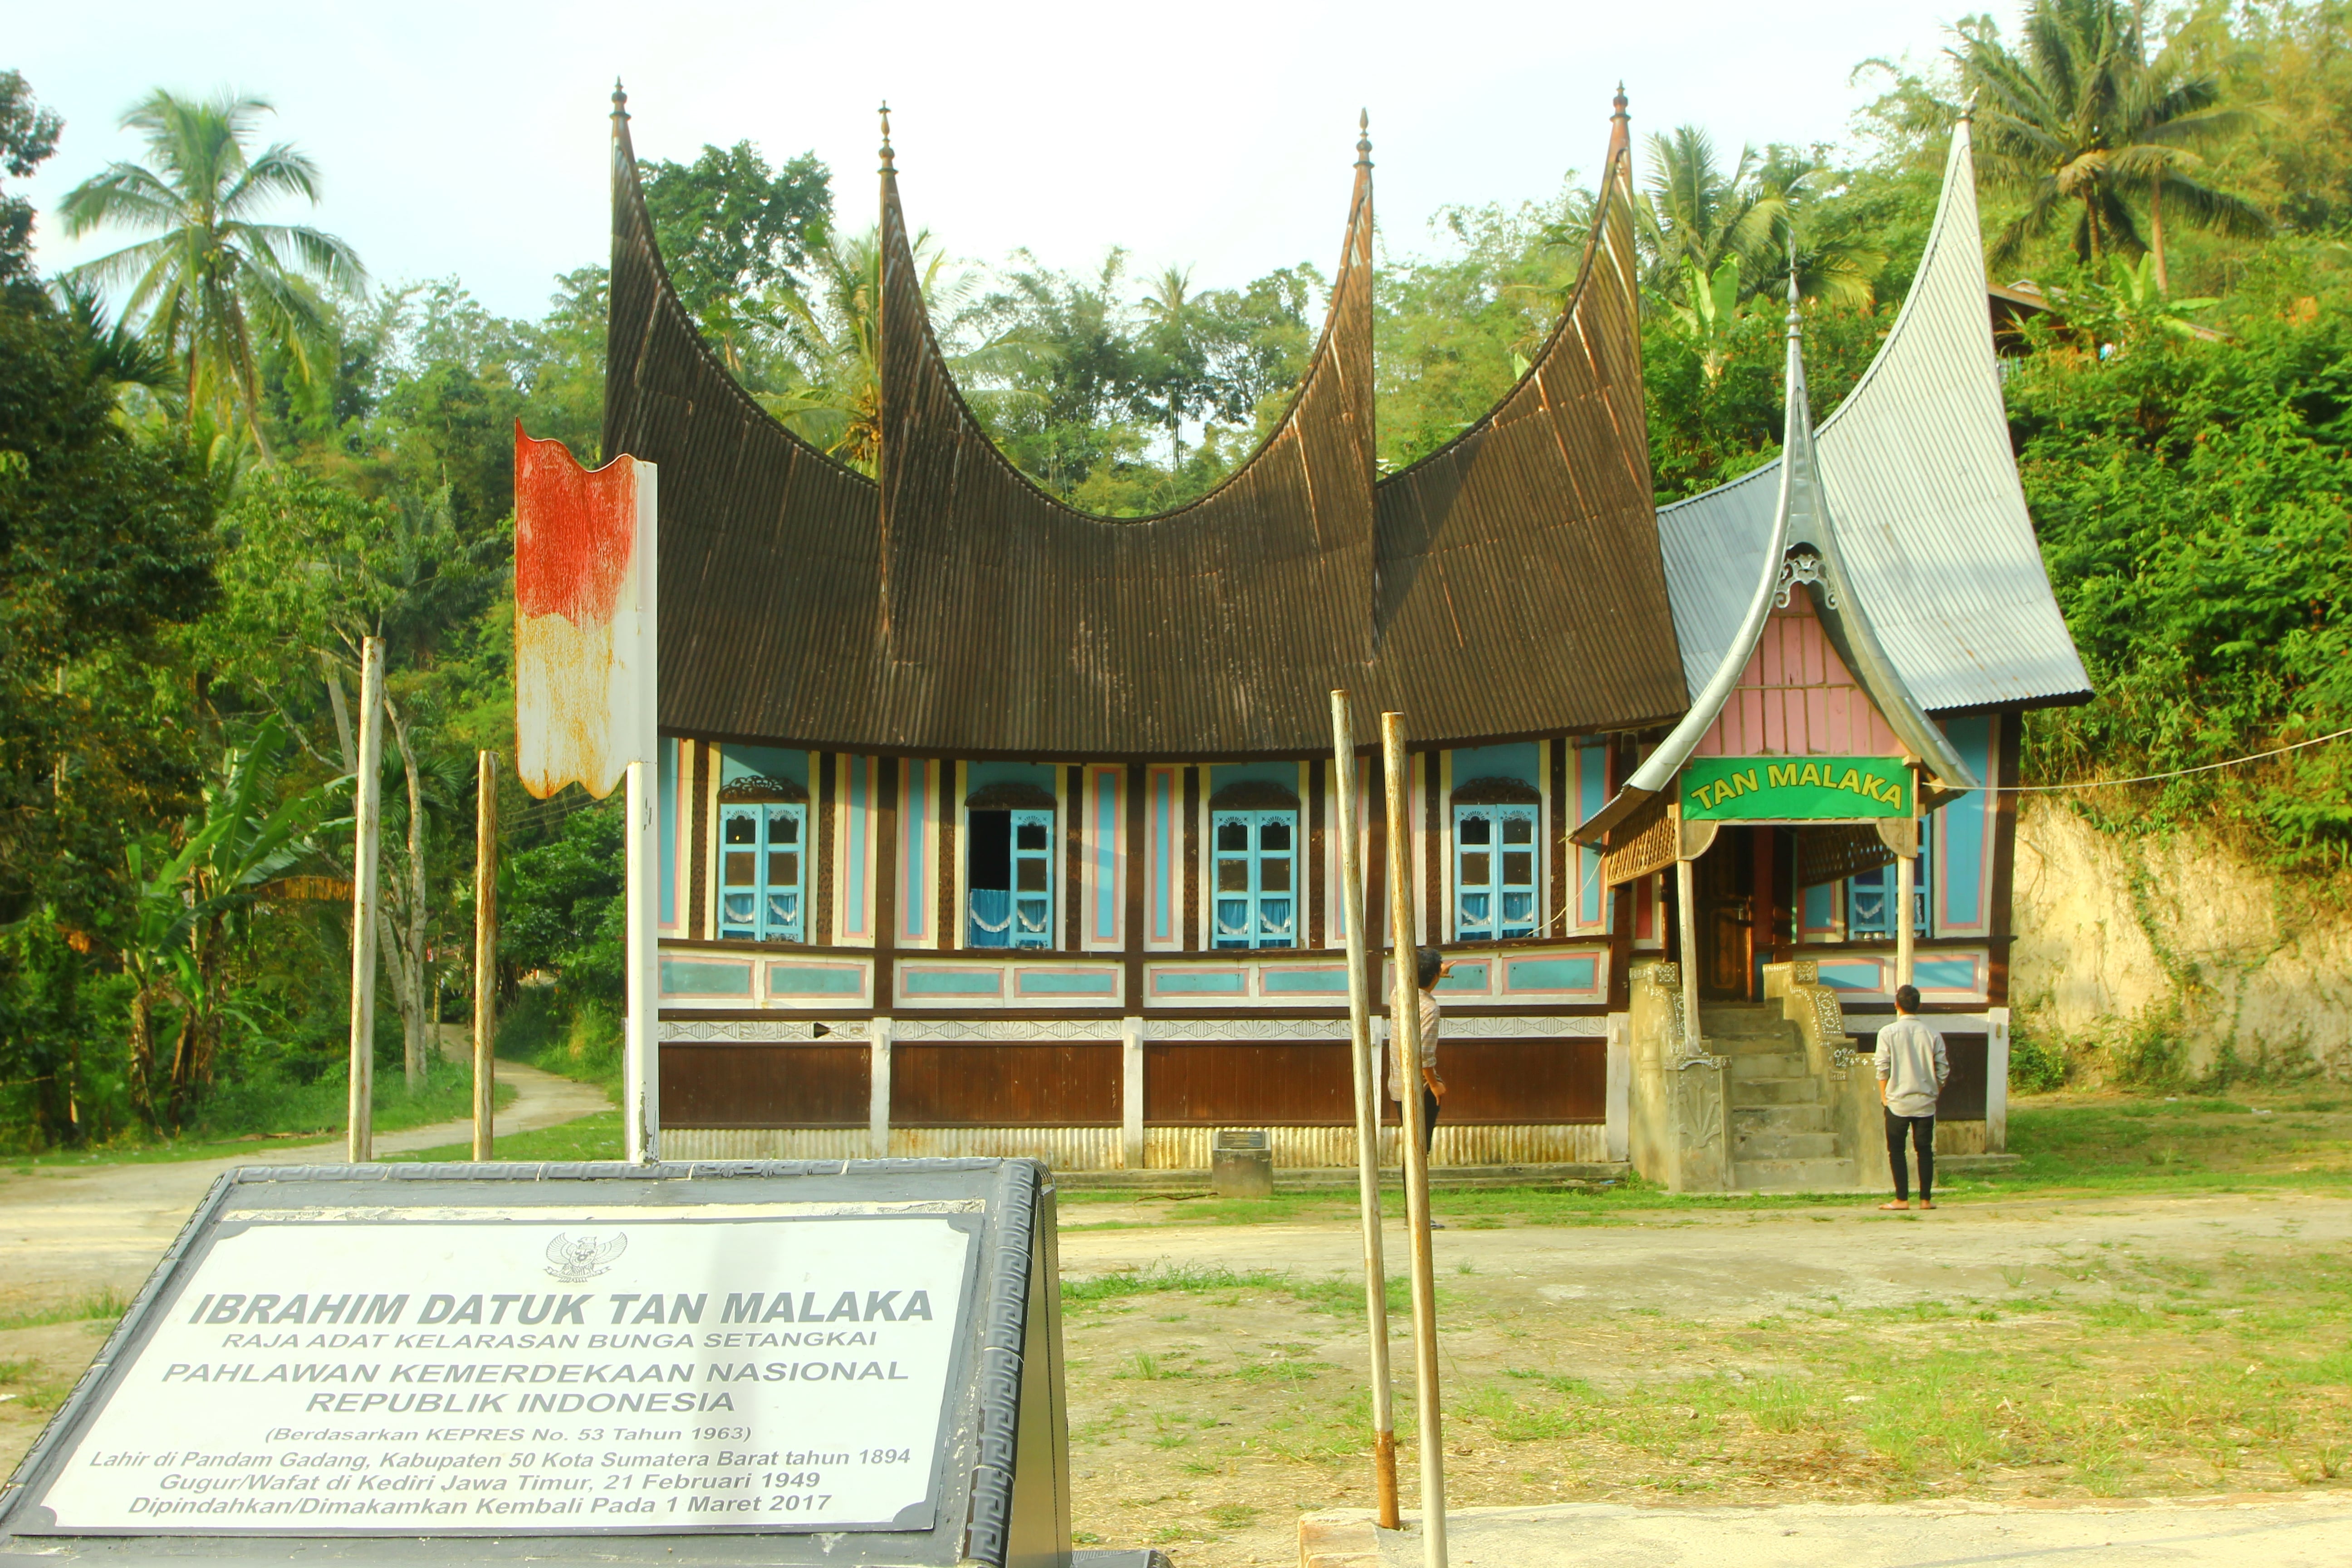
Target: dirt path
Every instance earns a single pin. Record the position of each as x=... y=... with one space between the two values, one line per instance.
x=65 y=1233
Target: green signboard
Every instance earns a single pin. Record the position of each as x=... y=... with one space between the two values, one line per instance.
x=1795 y=789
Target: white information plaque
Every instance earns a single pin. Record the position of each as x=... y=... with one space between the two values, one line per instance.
x=536 y=1370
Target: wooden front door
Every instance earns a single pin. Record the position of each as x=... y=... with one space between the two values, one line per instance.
x=1726 y=911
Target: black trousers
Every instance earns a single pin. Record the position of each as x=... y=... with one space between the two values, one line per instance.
x=1428 y=1122
x=1921 y=1131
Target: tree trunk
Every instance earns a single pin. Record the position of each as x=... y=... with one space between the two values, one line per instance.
x=416 y=998
x=2156 y=232
x=143 y=1054
x=334 y=680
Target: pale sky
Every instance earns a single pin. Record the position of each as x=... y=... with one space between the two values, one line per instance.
x=471 y=139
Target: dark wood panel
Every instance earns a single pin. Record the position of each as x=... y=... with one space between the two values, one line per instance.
x=1963 y=1099
x=1290 y=1083
x=1309 y=1083
x=1511 y=1082
x=763 y=1086
x=1055 y=1083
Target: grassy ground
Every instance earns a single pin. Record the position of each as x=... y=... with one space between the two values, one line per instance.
x=448 y=1095
x=2067 y=1143
x=590 y=1137
x=1205 y=1401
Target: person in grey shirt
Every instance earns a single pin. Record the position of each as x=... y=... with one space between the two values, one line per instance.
x=1912 y=1072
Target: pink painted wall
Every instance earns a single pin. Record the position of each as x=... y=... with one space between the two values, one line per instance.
x=1797 y=699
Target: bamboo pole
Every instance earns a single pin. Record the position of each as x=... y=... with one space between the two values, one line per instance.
x=1406 y=1029
x=1368 y=1111
x=368 y=814
x=486 y=949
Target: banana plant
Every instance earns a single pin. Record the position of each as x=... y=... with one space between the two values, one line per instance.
x=1711 y=312
x=197 y=903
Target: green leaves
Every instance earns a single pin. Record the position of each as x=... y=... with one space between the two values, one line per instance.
x=2191 y=497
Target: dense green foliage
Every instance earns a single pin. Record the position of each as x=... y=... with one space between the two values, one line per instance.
x=195 y=536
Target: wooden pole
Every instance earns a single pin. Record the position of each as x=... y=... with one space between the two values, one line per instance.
x=1367 y=1110
x=1406 y=1029
x=641 y=1060
x=1907 y=882
x=1686 y=922
x=486 y=949
x=368 y=814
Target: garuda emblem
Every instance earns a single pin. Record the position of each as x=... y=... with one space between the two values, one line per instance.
x=572 y=1261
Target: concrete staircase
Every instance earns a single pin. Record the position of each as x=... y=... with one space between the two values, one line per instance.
x=1781 y=1139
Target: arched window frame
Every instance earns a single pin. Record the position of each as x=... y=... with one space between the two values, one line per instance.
x=763 y=870
x=1496 y=868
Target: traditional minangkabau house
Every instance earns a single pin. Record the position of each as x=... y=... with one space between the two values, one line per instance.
x=990 y=827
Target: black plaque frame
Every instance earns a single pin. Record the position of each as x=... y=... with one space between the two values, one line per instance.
x=999 y=1493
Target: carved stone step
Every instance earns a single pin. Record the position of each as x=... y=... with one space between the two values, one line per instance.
x=1737 y=1020
x=1793 y=1175
x=1784 y=1038
x=1775 y=1091
x=1753 y=1146
x=1815 y=1118
x=1767 y=1064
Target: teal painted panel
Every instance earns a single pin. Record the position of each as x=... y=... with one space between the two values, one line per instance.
x=1198 y=982
x=951 y=982
x=1320 y=981
x=1851 y=976
x=1522 y=762
x=792 y=982
x=690 y=977
x=1068 y=983
x=1944 y=973
x=1470 y=977
x=1552 y=973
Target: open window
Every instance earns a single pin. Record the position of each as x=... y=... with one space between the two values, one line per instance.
x=1008 y=867
x=762 y=870
x=1869 y=894
x=1494 y=872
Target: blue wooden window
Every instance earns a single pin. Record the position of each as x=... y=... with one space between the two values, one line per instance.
x=1494 y=872
x=763 y=871
x=1258 y=879
x=1867 y=895
x=1012 y=879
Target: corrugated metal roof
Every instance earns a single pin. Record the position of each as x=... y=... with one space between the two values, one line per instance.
x=1508 y=585
x=1930 y=516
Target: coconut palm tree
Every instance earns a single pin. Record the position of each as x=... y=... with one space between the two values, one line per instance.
x=2083 y=121
x=213 y=284
x=1694 y=213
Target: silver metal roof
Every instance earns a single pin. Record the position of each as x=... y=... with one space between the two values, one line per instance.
x=1930 y=517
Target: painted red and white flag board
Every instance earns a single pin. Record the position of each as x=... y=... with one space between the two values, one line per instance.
x=584 y=638
x=585 y=708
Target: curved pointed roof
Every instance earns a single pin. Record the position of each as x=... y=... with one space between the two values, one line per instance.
x=1916 y=468
x=1509 y=585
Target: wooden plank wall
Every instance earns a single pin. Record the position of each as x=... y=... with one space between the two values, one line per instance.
x=1055 y=1083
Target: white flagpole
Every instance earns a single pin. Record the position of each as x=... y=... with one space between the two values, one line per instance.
x=641 y=1045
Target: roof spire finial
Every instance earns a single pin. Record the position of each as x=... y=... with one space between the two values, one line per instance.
x=1363 y=139
x=1617 y=109
x=889 y=165
x=1796 y=328
x=620 y=101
